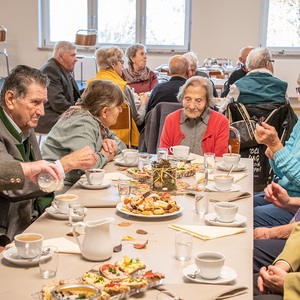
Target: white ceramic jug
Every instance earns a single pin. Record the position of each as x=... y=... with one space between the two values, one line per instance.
x=97 y=243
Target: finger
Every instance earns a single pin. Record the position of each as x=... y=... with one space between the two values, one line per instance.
x=54 y=171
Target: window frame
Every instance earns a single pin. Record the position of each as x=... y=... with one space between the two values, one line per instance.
x=263 y=33
x=44 y=26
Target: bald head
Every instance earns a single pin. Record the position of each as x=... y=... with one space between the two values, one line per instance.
x=179 y=66
x=244 y=53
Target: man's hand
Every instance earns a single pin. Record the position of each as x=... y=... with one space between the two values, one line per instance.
x=82 y=159
x=110 y=146
x=144 y=99
x=271 y=280
x=110 y=156
x=277 y=195
x=261 y=233
x=268 y=136
x=31 y=170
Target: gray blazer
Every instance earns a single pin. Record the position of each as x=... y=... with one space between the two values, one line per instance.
x=60 y=94
x=16 y=206
x=11 y=176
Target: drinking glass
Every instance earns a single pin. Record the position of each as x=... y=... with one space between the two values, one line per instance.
x=166 y=295
x=201 y=202
x=209 y=161
x=76 y=213
x=162 y=153
x=48 y=261
x=183 y=245
x=124 y=187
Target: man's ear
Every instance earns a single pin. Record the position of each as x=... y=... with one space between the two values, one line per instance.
x=10 y=99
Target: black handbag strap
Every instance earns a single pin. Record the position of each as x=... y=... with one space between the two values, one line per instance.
x=244 y=113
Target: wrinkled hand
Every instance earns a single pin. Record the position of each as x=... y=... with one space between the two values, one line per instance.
x=144 y=99
x=31 y=170
x=261 y=233
x=271 y=280
x=82 y=159
x=277 y=195
x=268 y=136
x=109 y=155
x=110 y=146
x=269 y=153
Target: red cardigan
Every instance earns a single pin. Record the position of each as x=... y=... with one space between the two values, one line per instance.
x=215 y=139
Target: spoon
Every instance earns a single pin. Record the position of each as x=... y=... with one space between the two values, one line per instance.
x=230 y=149
x=230 y=170
x=193 y=276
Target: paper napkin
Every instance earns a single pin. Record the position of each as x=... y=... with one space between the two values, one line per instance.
x=208 y=232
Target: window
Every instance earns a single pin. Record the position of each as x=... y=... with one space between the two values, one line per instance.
x=280 y=25
x=158 y=24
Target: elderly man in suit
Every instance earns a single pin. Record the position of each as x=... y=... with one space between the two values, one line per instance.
x=63 y=90
x=22 y=99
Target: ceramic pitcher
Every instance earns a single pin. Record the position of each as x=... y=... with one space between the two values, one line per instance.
x=97 y=243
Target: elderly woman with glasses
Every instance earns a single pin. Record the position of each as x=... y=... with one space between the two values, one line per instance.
x=87 y=125
x=137 y=75
x=196 y=125
x=110 y=63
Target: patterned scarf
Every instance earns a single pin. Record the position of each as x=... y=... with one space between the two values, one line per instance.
x=132 y=76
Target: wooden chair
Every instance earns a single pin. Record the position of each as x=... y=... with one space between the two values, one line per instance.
x=3 y=37
x=87 y=38
x=123 y=126
x=234 y=140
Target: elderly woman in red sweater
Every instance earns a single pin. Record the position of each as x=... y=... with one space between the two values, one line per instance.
x=196 y=125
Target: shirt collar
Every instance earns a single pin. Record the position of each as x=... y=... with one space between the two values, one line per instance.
x=24 y=135
x=204 y=116
x=262 y=70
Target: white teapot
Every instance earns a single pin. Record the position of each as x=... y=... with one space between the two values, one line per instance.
x=97 y=243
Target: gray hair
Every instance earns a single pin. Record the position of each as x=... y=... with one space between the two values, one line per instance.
x=62 y=47
x=132 y=50
x=19 y=79
x=107 y=55
x=99 y=94
x=178 y=65
x=258 y=58
x=191 y=57
x=198 y=81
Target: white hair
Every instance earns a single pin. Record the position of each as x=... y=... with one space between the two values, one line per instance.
x=62 y=47
x=258 y=58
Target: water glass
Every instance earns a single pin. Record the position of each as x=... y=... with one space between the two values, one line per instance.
x=209 y=161
x=124 y=187
x=76 y=213
x=48 y=261
x=162 y=153
x=201 y=202
x=166 y=295
x=202 y=177
x=183 y=245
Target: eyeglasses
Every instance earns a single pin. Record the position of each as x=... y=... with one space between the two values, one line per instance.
x=121 y=61
x=272 y=61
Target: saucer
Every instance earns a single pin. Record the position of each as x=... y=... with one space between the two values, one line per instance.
x=190 y=158
x=238 y=221
x=226 y=276
x=212 y=187
x=105 y=183
x=121 y=162
x=53 y=212
x=222 y=167
x=12 y=255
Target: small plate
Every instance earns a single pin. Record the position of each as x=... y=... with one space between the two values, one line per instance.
x=222 y=167
x=238 y=221
x=226 y=276
x=121 y=162
x=190 y=158
x=212 y=187
x=84 y=183
x=120 y=206
x=53 y=212
x=12 y=255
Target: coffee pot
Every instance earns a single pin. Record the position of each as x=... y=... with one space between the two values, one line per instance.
x=97 y=243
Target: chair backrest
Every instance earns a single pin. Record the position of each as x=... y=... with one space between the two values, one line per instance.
x=86 y=37
x=234 y=140
x=217 y=73
x=124 y=121
x=3 y=33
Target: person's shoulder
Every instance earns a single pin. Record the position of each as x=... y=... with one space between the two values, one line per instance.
x=50 y=67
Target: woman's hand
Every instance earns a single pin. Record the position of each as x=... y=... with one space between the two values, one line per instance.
x=268 y=136
x=261 y=233
x=110 y=146
x=144 y=98
x=269 y=154
x=277 y=195
x=109 y=155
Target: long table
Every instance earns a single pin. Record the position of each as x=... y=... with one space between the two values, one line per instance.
x=19 y=282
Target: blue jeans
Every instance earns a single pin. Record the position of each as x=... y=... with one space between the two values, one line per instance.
x=268 y=215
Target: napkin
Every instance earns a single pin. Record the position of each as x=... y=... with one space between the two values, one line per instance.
x=208 y=232
x=198 y=159
x=227 y=197
x=229 y=293
x=113 y=176
x=237 y=177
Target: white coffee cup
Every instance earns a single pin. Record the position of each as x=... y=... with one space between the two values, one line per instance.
x=226 y=211
x=180 y=152
x=223 y=182
x=209 y=264
x=130 y=156
x=95 y=176
x=62 y=202
x=234 y=159
x=28 y=244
